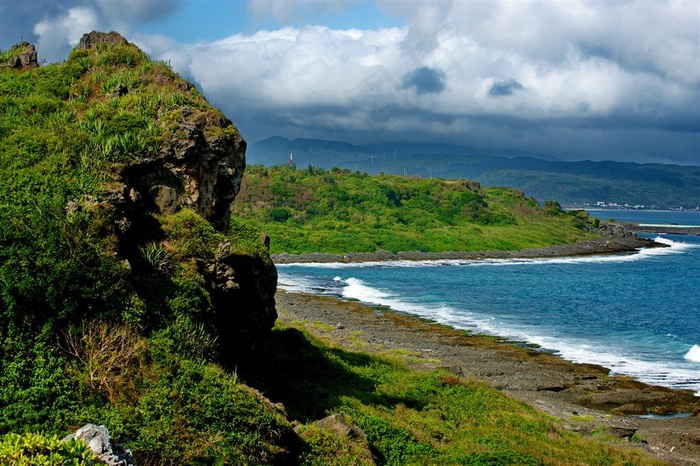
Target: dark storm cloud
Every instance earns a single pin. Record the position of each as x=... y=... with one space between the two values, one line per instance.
x=18 y=17
x=425 y=80
x=502 y=88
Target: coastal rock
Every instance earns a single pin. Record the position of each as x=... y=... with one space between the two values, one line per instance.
x=100 y=442
x=200 y=168
x=198 y=165
x=242 y=289
x=622 y=431
x=342 y=425
x=615 y=230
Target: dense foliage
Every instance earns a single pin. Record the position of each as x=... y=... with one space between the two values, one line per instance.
x=37 y=450
x=339 y=211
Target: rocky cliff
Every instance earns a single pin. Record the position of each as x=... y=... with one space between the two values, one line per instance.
x=142 y=148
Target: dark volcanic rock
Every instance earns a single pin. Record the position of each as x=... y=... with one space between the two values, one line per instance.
x=242 y=290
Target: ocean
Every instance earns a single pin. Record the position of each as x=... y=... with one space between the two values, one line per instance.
x=637 y=314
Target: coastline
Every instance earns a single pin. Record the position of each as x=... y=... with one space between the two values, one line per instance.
x=602 y=246
x=584 y=396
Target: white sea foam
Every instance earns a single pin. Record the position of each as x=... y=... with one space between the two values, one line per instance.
x=295 y=284
x=677 y=374
x=693 y=354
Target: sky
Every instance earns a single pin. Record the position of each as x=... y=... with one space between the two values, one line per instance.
x=575 y=79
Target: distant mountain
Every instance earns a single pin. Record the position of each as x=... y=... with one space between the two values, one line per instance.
x=538 y=175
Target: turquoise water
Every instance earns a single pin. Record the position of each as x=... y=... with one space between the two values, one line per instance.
x=638 y=314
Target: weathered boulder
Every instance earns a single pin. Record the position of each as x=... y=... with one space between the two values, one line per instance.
x=99 y=441
x=95 y=38
x=200 y=168
x=27 y=58
x=343 y=426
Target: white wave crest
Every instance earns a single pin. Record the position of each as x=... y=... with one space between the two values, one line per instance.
x=356 y=289
x=693 y=354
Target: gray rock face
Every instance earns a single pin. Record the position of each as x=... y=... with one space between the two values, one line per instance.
x=201 y=169
x=99 y=441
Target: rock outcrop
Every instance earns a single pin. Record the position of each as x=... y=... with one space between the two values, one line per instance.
x=96 y=38
x=26 y=58
x=199 y=166
x=100 y=442
x=242 y=289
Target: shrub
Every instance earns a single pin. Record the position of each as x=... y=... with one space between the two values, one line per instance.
x=38 y=450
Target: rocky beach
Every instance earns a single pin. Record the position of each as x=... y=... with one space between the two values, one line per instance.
x=621 y=241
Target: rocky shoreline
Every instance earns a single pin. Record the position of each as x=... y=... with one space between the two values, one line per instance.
x=583 y=248
x=584 y=396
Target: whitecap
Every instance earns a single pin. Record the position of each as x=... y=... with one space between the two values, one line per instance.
x=693 y=354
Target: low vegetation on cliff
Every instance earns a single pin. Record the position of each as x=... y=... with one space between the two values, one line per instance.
x=339 y=211
x=123 y=280
x=129 y=296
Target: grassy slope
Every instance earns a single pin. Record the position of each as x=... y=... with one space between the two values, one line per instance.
x=412 y=417
x=313 y=210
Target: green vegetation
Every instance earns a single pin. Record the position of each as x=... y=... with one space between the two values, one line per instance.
x=411 y=417
x=37 y=449
x=98 y=328
x=338 y=211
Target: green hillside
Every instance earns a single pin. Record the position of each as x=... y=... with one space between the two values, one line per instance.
x=107 y=312
x=339 y=211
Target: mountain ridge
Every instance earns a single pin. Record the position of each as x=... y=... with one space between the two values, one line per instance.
x=576 y=183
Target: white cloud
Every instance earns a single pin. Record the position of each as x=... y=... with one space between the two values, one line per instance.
x=572 y=63
x=58 y=34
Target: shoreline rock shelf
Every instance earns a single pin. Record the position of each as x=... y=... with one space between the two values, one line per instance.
x=584 y=396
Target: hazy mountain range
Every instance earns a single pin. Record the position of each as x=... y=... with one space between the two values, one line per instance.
x=538 y=175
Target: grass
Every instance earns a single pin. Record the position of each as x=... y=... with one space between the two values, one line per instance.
x=412 y=417
x=339 y=211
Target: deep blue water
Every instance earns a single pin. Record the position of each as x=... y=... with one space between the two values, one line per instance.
x=638 y=314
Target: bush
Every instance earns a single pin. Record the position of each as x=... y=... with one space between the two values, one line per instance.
x=39 y=450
